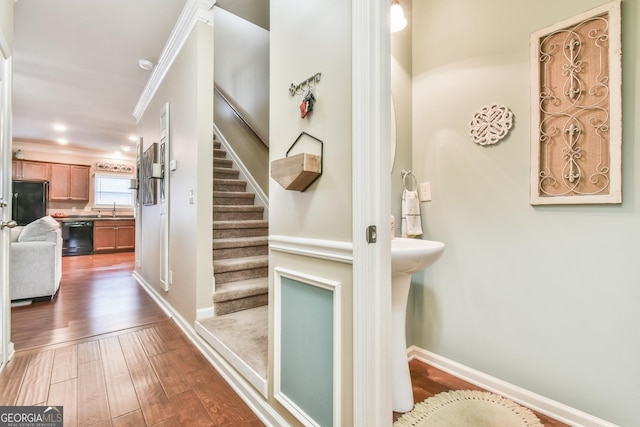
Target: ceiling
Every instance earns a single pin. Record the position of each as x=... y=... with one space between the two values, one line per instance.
x=75 y=62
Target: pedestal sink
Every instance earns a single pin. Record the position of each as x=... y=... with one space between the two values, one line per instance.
x=408 y=256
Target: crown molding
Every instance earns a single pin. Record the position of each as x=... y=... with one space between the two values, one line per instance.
x=194 y=11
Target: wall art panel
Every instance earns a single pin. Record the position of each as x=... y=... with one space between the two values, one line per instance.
x=576 y=123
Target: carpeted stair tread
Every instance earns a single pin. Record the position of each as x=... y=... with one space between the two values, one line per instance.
x=221 y=184
x=233 y=198
x=227 y=173
x=237 y=212
x=237 y=208
x=241 y=289
x=240 y=242
x=219 y=153
x=237 y=264
x=220 y=162
x=252 y=223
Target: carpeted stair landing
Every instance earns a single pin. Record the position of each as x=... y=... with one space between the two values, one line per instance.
x=240 y=241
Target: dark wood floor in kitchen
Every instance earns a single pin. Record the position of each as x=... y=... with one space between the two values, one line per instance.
x=109 y=355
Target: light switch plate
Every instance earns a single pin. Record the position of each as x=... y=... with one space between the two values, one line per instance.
x=425 y=191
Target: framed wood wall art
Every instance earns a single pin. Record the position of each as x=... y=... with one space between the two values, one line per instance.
x=576 y=111
x=149 y=185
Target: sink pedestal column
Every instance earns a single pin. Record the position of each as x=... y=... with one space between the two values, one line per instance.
x=401 y=378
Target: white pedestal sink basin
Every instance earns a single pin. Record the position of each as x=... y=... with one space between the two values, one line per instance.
x=408 y=256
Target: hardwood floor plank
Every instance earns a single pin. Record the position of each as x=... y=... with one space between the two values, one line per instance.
x=169 y=375
x=152 y=342
x=11 y=379
x=223 y=405
x=132 y=419
x=155 y=405
x=153 y=400
x=188 y=359
x=120 y=392
x=35 y=385
x=133 y=350
x=169 y=422
x=189 y=411
x=65 y=364
x=88 y=352
x=65 y=394
x=93 y=406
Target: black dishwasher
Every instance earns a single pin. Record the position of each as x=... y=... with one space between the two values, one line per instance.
x=77 y=238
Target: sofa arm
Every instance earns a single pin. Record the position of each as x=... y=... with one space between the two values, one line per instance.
x=33 y=270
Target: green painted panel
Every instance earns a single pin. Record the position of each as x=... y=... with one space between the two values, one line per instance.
x=307 y=348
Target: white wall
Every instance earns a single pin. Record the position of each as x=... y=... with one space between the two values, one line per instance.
x=307 y=38
x=6 y=21
x=188 y=88
x=242 y=55
x=541 y=297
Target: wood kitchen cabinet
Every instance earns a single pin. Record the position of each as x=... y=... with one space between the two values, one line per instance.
x=114 y=236
x=30 y=170
x=69 y=182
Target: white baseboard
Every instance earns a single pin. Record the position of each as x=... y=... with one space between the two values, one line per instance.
x=247 y=393
x=240 y=365
x=204 y=313
x=551 y=408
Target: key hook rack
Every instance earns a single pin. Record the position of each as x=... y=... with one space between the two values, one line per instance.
x=304 y=85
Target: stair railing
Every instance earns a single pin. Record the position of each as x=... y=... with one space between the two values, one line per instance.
x=236 y=111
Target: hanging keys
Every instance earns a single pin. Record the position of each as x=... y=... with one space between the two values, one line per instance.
x=307 y=104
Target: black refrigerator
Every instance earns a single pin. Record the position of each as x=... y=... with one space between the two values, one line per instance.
x=29 y=200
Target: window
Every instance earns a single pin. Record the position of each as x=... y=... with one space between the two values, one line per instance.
x=110 y=189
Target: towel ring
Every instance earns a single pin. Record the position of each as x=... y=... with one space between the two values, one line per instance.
x=413 y=181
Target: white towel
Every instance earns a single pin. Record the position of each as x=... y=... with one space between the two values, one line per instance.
x=411 y=220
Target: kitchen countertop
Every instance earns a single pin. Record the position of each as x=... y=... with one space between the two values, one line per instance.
x=95 y=218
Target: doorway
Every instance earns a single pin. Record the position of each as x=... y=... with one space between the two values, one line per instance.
x=6 y=349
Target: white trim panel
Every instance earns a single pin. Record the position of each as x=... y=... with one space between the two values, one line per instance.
x=329 y=285
x=551 y=408
x=330 y=250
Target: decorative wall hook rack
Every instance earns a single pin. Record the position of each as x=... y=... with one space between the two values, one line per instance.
x=299 y=171
x=305 y=84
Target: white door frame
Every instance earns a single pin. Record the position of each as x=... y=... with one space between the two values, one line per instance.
x=371 y=206
x=6 y=346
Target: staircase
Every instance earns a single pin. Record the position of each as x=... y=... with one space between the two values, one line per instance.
x=240 y=241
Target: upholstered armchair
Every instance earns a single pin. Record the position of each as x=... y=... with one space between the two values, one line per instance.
x=36 y=260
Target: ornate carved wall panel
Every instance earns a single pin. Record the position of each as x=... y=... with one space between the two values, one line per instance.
x=576 y=123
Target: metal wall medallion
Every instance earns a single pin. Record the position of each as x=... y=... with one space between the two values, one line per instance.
x=490 y=124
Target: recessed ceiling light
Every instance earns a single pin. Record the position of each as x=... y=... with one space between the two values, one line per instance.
x=133 y=138
x=125 y=148
x=145 y=64
x=62 y=141
x=59 y=127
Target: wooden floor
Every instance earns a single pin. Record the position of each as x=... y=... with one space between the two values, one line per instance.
x=428 y=381
x=105 y=352
x=109 y=355
x=97 y=295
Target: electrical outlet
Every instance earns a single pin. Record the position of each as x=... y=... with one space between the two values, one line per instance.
x=425 y=191
x=170 y=277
